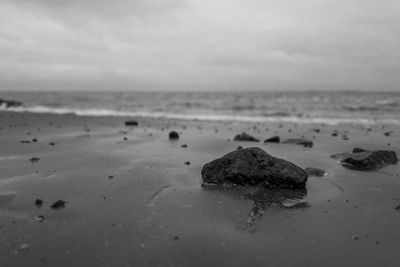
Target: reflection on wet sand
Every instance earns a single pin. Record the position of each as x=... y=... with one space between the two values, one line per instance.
x=263 y=199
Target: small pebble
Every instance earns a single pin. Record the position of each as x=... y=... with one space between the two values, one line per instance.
x=173 y=135
x=39 y=218
x=58 y=204
x=24 y=246
x=38 y=202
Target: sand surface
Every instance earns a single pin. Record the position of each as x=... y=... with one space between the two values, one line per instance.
x=134 y=202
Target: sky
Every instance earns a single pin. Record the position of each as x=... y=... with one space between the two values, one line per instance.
x=200 y=45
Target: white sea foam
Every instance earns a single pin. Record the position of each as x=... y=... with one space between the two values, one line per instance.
x=200 y=117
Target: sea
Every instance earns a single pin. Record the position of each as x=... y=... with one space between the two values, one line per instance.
x=330 y=108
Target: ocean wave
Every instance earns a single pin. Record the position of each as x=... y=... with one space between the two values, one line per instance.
x=199 y=117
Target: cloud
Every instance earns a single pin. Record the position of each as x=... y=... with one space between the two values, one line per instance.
x=287 y=44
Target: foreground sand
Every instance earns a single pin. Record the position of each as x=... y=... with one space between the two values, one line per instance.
x=135 y=203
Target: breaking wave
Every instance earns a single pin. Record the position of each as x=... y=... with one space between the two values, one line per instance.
x=200 y=117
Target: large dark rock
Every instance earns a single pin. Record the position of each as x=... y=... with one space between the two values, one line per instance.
x=274 y=139
x=245 y=137
x=302 y=142
x=364 y=160
x=10 y=103
x=253 y=166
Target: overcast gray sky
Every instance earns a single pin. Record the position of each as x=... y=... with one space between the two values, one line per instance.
x=200 y=44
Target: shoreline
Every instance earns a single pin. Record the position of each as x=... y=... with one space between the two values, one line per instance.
x=153 y=211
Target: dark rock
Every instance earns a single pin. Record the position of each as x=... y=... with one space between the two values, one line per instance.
x=245 y=137
x=364 y=160
x=38 y=202
x=398 y=207
x=34 y=160
x=239 y=147
x=25 y=141
x=10 y=103
x=173 y=135
x=274 y=139
x=184 y=146
x=253 y=166
x=110 y=176
x=315 y=172
x=58 y=204
x=387 y=134
x=187 y=163
x=131 y=123
x=302 y=142
x=335 y=134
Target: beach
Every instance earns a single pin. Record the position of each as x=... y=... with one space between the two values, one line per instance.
x=132 y=200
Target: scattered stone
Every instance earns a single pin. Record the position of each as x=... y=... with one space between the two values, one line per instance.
x=398 y=207
x=34 y=140
x=315 y=172
x=239 y=147
x=184 y=146
x=364 y=160
x=39 y=218
x=34 y=160
x=187 y=163
x=173 y=135
x=387 y=134
x=38 y=202
x=176 y=237
x=300 y=141
x=131 y=123
x=58 y=204
x=52 y=143
x=245 y=137
x=354 y=237
x=253 y=166
x=110 y=177
x=334 y=134
x=25 y=141
x=24 y=246
x=274 y=139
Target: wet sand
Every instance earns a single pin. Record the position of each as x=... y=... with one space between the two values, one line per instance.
x=132 y=200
